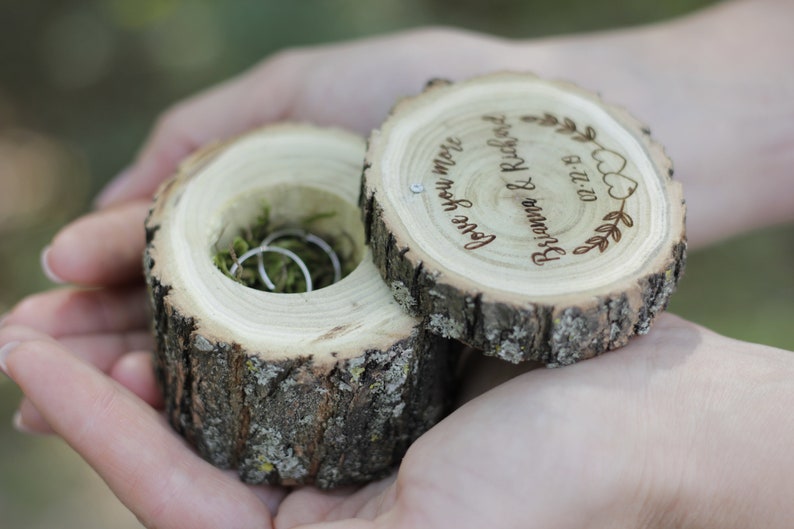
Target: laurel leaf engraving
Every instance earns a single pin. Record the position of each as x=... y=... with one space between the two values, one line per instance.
x=549 y=120
x=568 y=127
x=579 y=250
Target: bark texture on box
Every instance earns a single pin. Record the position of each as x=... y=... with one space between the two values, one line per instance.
x=523 y=217
x=325 y=388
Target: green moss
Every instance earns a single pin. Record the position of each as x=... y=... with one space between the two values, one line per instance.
x=283 y=271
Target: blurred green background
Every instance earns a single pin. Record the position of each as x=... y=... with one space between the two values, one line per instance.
x=82 y=81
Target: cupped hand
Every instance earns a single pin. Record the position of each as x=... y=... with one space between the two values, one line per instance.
x=349 y=85
x=616 y=439
x=670 y=427
x=664 y=432
x=105 y=320
x=720 y=123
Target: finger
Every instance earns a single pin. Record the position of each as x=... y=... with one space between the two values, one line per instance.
x=483 y=373
x=135 y=372
x=128 y=444
x=311 y=505
x=28 y=420
x=100 y=249
x=219 y=113
x=69 y=312
x=355 y=523
x=104 y=350
x=268 y=494
x=100 y=350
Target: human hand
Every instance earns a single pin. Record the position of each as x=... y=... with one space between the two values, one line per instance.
x=353 y=85
x=722 y=125
x=105 y=320
x=631 y=410
x=103 y=250
x=666 y=431
x=636 y=427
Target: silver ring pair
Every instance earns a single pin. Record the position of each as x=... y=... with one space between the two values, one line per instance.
x=265 y=247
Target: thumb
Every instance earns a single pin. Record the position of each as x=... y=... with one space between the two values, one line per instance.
x=259 y=96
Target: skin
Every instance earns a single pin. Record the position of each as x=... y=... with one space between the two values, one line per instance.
x=681 y=428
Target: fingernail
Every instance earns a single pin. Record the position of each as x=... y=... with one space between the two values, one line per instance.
x=113 y=190
x=45 y=267
x=4 y=352
x=19 y=424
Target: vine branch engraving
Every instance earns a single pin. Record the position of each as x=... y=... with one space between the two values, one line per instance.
x=610 y=164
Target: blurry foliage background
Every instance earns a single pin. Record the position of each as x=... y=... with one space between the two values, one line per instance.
x=82 y=81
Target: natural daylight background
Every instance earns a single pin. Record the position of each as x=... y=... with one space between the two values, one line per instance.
x=82 y=81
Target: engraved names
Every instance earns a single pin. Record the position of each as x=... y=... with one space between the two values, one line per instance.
x=517 y=177
x=506 y=143
x=510 y=162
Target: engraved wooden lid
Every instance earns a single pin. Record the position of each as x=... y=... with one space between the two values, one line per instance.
x=524 y=217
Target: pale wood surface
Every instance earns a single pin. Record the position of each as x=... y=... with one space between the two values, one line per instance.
x=523 y=217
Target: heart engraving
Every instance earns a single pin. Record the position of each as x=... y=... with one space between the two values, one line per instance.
x=620 y=186
x=608 y=161
x=610 y=165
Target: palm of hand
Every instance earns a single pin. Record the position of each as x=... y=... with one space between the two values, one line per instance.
x=501 y=460
x=562 y=448
x=549 y=447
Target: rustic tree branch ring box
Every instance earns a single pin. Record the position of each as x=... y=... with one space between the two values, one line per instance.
x=523 y=217
x=520 y=216
x=325 y=387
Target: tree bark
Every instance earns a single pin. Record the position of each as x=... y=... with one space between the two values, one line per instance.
x=523 y=217
x=326 y=388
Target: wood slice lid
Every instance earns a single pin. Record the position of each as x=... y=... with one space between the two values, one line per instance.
x=523 y=217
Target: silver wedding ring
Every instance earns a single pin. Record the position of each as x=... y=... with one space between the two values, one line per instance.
x=266 y=247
